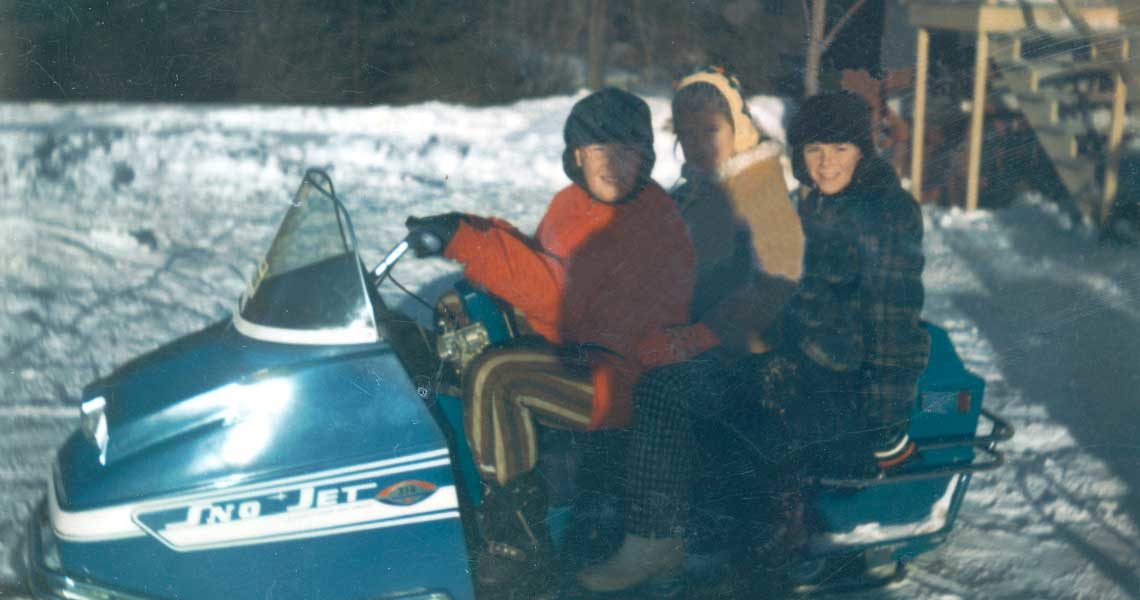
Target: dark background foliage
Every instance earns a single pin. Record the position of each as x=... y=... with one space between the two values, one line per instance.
x=394 y=51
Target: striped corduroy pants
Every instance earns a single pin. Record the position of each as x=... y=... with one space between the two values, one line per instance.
x=507 y=390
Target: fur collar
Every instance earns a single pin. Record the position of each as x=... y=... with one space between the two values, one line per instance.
x=737 y=164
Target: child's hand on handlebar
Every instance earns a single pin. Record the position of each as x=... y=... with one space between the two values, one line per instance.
x=429 y=236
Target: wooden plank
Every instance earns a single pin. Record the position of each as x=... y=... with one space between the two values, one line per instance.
x=1079 y=174
x=1066 y=98
x=1065 y=67
x=999 y=18
x=1113 y=147
x=1019 y=79
x=1005 y=48
x=1114 y=48
x=922 y=61
x=977 y=119
x=1040 y=109
x=1079 y=177
x=1058 y=143
x=1044 y=17
x=944 y=16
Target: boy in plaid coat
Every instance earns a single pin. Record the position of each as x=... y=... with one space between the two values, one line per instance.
x=856 y=315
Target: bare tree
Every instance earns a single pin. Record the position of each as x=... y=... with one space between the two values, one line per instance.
x=819 y=41
x=645 y=36
x=596 y=45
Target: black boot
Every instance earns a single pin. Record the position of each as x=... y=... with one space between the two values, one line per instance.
x=781 y=536
x=517 y=556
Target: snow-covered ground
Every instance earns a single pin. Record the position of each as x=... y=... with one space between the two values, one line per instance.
x=124 y=226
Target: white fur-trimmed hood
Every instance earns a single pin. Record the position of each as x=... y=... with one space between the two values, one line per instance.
x=735 y=165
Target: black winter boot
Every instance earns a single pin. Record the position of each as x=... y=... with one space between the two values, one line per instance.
x=781 y=537
x=517 y=557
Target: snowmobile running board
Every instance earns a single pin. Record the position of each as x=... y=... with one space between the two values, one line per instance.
x=1000 y=431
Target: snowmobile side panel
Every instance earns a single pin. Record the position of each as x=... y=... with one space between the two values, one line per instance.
x=302 y=479
x=452 y=409
x=360 y=535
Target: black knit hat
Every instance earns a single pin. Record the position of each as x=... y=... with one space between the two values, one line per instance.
x=609 y=116
x=831 y=118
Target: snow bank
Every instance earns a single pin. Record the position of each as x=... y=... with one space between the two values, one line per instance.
x=125 y=226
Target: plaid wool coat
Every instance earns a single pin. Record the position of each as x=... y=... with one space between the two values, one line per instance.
x=858 y=306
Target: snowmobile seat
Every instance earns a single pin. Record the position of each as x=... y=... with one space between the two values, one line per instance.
x=886 y=517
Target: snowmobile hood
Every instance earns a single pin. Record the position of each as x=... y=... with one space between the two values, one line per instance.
x=200 y=380
x=215 y=408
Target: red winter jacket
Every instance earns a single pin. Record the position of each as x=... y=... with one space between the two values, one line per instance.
x=593 y=273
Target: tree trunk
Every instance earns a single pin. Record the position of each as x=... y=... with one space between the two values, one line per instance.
x=815 y=47
x=596 y=45
x=644 y=37
x=249 y=58
x=358 y=51
x=9 y=50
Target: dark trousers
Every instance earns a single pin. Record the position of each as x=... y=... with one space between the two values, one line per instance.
x=761 y=421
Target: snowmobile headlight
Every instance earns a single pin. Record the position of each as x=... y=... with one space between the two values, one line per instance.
x=94 y=422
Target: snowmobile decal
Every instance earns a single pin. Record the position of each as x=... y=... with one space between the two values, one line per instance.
x=946 y=403
x=407 y=493
x=271 y=517
x=255 y=505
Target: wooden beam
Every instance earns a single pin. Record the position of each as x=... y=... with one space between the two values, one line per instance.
x=977 y=119
x=1115 y=136
x=918 y=131
x=1079 y=176
x=1057 y=142
x=1039 y=109
x=943 y=16
x=1122 y=78
x=998 y=18
x=1005 y=48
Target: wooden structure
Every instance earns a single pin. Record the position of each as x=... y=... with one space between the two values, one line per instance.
x=1049 y=58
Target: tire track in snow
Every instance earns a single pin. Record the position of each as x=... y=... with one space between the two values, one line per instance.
x=105 y=245
x=38 y=411
x=1068 y=522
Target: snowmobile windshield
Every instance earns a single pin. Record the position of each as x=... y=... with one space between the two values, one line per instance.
x=309 y=289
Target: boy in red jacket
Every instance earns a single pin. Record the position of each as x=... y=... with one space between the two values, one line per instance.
x=610 y=263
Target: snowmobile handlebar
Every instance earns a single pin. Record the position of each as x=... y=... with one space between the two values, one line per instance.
x=380 y=271
x=1000 y=431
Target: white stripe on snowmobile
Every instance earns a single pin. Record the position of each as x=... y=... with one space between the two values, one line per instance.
x=117 y=522
x=341 y=518
x=329 y=336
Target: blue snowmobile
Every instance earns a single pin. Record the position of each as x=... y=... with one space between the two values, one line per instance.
x=304 y=448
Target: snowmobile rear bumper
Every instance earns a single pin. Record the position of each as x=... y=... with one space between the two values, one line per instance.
x=44 y=574
x=1000 y=431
